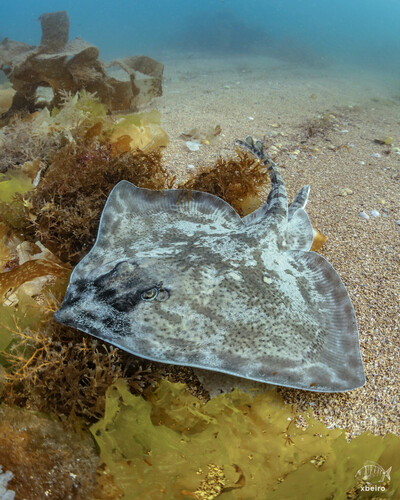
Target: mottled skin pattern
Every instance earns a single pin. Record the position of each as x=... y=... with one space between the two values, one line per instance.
x=180 y=278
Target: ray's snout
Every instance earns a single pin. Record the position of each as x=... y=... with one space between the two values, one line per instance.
x=59 y=315
x=63 y=315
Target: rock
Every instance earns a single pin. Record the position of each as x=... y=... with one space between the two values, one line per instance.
x=64 y=66
x=364 y=215
x=374 y=213
x=55 y=29
x=192 y=145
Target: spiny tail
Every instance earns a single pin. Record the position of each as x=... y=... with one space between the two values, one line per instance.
x=277 y=199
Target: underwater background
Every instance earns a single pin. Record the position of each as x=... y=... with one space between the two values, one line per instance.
x=359 y=32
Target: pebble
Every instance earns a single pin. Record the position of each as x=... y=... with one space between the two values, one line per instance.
x=344 y=131
x=190 y=167
x=364 y=215
x=374 y=213
x=398 y=222
x=250 y=117
x=192 y=145
x=376 y=155
x=346 y=191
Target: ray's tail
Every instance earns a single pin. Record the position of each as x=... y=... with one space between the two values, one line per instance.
x=277 y=203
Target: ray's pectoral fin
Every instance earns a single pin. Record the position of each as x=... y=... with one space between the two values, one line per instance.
x=299 y=231
x=333 y=364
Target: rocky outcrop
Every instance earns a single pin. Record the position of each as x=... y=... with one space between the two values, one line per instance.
x=69 y=66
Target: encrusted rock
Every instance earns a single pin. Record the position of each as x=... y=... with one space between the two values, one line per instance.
x=64 y=66
x=55 y=30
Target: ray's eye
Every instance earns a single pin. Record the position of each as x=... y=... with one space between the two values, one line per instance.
x=158 y=293
x=149 y=294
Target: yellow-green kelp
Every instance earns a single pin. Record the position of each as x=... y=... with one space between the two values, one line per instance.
x=236 y=446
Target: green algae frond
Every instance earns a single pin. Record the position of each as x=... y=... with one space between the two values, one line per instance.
x=170 y=445
x=82 y=108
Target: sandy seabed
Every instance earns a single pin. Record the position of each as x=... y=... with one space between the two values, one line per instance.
x=278 y=101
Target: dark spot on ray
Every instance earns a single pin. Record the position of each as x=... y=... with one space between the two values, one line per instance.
x=80 y=286
x=90 y=315
x=107 y=294
x=127 y=302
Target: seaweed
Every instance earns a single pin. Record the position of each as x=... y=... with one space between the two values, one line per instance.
x=80 y=110
x=140 y=130
x=27 y=139
x=13 y=185
x=237 y=446
x=320 y=126
x=65 y=208
x=55 y=369
x=239 y=181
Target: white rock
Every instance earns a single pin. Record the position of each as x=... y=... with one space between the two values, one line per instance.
x=376 y=155
x=192 y=145
x=5 y=477
x=190 y=167
x=364 y=215
x=374 y=213
x=250 y=117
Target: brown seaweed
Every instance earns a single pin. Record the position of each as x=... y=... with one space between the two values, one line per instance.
x=65 y=207
x=239 y=181
x=54 y=369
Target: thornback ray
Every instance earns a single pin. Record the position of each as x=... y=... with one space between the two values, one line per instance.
x=182 y=279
